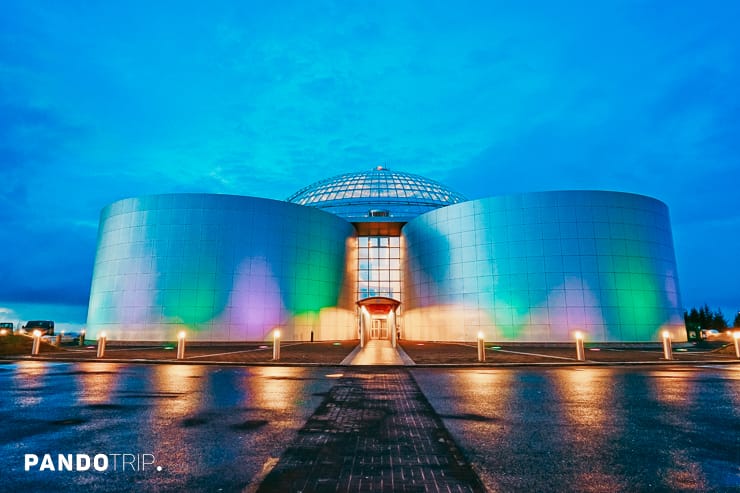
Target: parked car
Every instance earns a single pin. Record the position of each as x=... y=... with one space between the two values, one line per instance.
x=6 y=328
x=709 y=333
x=65 y=337
x=45 y=326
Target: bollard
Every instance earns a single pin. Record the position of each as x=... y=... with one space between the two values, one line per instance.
x=276 y=345
x=580 y=351
x=82 y=338
x=101 y=345
x=181 y=345
x=481 y=347
x=36 y=343
x=736 y=337
x=667 y=352
x=59 y=340
x=363 y=329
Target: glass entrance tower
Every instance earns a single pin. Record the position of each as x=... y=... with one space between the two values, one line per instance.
x=379 y=203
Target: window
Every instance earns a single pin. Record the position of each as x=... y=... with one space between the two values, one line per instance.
x=379 y=266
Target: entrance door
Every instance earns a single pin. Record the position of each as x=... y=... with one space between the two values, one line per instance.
x=379 y=329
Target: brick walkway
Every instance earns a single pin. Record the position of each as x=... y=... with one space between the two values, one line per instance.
x=374 y=432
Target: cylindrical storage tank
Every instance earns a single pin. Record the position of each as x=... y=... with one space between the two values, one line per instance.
x=222 y=268
x=536 y=267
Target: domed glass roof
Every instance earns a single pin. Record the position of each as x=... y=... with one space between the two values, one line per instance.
x=376 y=195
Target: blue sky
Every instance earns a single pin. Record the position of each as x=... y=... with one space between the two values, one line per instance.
x=101 y=102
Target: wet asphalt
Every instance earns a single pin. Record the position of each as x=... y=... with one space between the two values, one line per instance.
x=669 y=428
x=594 y=429
x=208 y=428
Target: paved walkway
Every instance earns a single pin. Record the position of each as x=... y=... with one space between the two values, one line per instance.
x=378 y=352
x=374 y=432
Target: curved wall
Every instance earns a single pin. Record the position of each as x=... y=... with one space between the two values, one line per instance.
x=221 y=267
x=538 y=266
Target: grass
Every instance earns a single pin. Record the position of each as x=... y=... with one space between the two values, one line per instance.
x=16 y=344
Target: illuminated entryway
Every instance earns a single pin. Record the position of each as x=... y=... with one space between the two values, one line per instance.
x=378 y=319
x=379 y=329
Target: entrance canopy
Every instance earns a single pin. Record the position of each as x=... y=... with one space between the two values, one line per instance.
x=379 y=305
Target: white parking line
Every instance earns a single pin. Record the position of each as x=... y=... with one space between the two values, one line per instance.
x=536 y=354
x=237 y=352
x=517 y=352
x=87 y=350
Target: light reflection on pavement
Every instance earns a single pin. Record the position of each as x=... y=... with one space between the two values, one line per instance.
x=208 y=427
x=594 y=429
x=667 y=428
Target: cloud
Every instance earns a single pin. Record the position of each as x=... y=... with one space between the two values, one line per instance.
x=105 y=102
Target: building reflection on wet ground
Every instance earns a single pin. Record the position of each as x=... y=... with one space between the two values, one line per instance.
x=670 y=428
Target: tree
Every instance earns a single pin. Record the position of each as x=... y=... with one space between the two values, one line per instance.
x=704 y=318
x=736 y=323
x=718 y=320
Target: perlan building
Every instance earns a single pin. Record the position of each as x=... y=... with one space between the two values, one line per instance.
x=383 y=253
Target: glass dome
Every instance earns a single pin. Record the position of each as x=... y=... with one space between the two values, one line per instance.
x=376 y=195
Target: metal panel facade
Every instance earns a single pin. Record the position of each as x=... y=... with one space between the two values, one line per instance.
x=536 y=267
x=223 y=268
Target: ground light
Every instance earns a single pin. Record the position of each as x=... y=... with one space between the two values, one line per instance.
x=667 y=352
x=481 y=347
x=36 y=343
x=276 y=345
x=181 y=345
x=736 y=338
x=101 y=345
x=580 y=352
